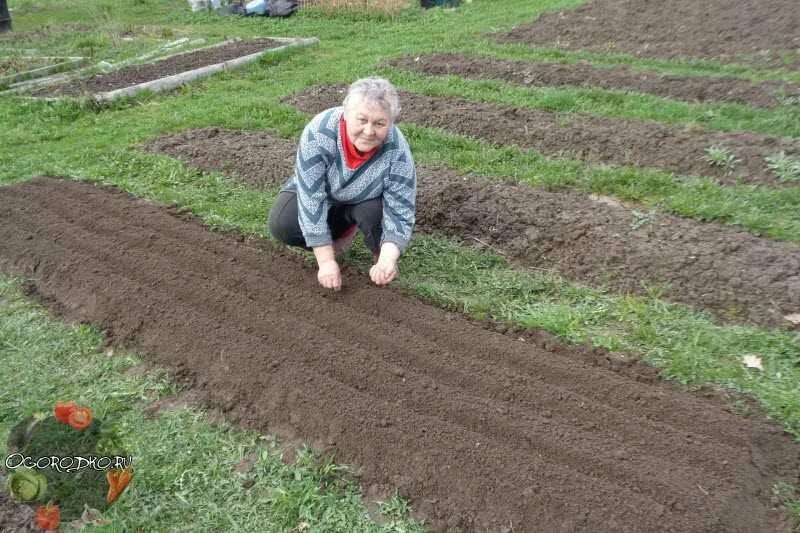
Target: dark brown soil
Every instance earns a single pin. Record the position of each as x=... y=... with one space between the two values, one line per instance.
x=539 y=74
x=256 y=158
x=157 y=69
x=590 y=139
x=480 y=430
x=759 y=32
x=587 y=239
x=14 y=517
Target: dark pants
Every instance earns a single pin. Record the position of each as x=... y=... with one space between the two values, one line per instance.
x=284 y=225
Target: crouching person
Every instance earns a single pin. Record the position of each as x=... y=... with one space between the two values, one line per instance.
x=354 y=171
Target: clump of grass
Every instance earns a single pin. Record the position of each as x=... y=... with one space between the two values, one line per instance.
x=382 y=7
x=720 y=156
x=785 y=167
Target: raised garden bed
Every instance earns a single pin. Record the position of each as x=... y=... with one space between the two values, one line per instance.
x=587 y=239
x=587 y=138
x=758 y=32
x=17 y=68
x=173 y=71
x=480 y=430
x=540 y=74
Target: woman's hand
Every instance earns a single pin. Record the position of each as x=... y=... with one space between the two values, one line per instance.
x=383 y=273
x=329 y=275
x=385 y=268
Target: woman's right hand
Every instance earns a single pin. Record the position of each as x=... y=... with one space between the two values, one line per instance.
x=329 y=275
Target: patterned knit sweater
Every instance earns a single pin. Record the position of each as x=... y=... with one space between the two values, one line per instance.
x=321 y=179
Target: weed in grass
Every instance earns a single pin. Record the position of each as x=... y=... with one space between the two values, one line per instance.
x=707 y=116
x=385 y=7
x=395 y=507
x=655 y=291
x=91 y=44
x=785 y=167
x=399 y=513
x=720 y=156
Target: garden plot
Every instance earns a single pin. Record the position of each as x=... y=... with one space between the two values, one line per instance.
x=582 y=74
x=172 y=71
x=584 y=238
x=730 y=158
x=480 y=430
x=760 y=32
x=17 y=68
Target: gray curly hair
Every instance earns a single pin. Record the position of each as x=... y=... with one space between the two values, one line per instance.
x=377 y=90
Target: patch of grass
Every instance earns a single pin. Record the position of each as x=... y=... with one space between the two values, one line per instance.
x=785 y=167
x=362 y=7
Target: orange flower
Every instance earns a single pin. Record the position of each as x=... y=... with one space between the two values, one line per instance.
x=63 y=410
x=48 y=517
x=117 y=481
x=80 y=417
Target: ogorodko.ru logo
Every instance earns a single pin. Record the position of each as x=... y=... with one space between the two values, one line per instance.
x=67 y=464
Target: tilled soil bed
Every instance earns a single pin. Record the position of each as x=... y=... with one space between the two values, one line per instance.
x=587 y=239
x=157 y=69
x=760 y=32
x=480 y=430
x=540 y=74
x=590 y=139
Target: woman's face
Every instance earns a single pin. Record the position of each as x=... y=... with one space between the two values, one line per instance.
x=367 y=124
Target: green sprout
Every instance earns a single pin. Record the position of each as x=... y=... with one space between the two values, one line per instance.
x=720 y=156
x=785 y=167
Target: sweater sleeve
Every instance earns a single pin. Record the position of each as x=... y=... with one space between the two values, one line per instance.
x=311 y=166
x=399 y=199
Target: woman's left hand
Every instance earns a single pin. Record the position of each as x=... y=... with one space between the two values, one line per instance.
x=383 y=272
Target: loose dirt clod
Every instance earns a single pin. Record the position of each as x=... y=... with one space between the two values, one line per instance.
x=484 y=430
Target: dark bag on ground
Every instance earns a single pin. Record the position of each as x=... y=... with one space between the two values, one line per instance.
x=441 y=3
x=281 y=8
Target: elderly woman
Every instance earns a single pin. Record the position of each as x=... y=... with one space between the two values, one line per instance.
x=353 y=171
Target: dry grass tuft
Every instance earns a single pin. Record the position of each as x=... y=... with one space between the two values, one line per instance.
x=386 y=7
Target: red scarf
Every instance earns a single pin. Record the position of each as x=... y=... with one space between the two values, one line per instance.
x=352 y=155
